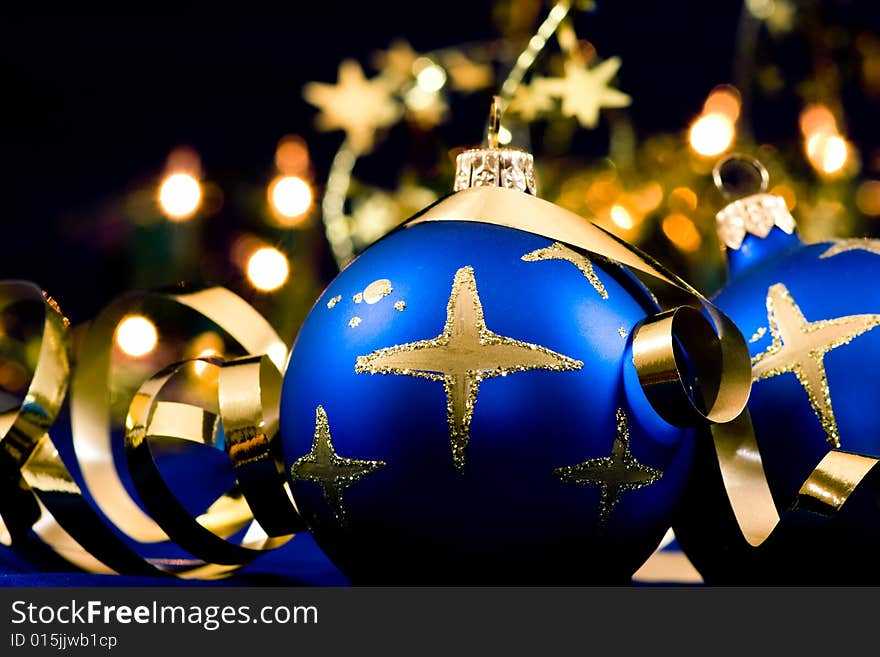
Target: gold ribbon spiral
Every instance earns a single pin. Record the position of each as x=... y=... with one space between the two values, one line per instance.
x=39 y=497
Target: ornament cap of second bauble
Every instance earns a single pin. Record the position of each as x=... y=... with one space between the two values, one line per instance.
x=755 y=224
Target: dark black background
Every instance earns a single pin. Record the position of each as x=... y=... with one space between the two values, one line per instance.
x=92 y=104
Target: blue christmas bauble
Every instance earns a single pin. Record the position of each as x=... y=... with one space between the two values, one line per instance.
x=811 y=314
x=461 y=406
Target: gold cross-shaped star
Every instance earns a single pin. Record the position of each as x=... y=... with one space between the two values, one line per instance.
x=855 y=244
x=614 y=475
x=322 y=465
x=462 y=356
x=354 y=104
x=800 y=346
x=557 y=251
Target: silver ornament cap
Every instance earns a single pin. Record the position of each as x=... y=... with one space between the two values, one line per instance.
x=756 y=212
x=511 y=168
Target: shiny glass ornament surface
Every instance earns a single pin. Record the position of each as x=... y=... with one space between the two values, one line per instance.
x=404 y=504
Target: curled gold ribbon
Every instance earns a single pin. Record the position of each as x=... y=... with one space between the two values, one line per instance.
x=23 y=425
x=206 y=537
x=37 y=492
x=663 y=369
x=249 y=391
x=90 y=393
x=39 y=497
x=661 y=346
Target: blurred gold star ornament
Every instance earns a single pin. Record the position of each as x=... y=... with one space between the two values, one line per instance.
x=373 y=216
x=378 y=212
x=466 y=75
x=531 y=101
x=584 y=91
x=355 y=105
x=396 y=63
x=425 y=109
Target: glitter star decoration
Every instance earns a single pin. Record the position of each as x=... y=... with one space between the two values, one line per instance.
x=355 y=105
x=462 y=356
x=334 y=473
x=557 y=251
x=857 y=244
x=614 y=475
x=800 y=346
x=584 y=91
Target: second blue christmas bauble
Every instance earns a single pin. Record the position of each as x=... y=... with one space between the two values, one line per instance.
x=811 y=314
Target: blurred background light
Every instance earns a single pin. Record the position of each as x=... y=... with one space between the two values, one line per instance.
x=711 y=134
x=267 y=269
x=621 y=216
x=429 y=76
x=290 y=198
x=136 y=336
x=180 y=196
x=827 y=152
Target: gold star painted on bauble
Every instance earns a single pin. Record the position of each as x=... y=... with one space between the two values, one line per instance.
x=355 y=105
x=614 y=475
x=800 y=346
x=334 y=473
x=557 y=251
x=584 y=91
x=759 y=333
x=463 y=355
x=857 y=244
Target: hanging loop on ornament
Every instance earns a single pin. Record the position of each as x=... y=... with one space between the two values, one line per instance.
x=738 y=175
x=494 y=122
x=750 y=210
